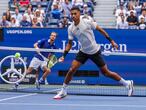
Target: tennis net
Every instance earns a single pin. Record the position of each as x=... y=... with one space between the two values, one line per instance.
x=87 y=81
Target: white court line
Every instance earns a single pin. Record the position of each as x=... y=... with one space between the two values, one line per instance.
x=54 y=90
x=21 y=96
x=16 y=97
x=74 y=105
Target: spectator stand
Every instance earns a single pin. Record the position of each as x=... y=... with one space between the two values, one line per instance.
x=29 y=8
x=138 y=8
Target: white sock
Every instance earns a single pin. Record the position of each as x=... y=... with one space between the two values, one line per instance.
x=41 y=79
x=46 y=80
x=124 y=82
x=64 y=86
x=36 y=79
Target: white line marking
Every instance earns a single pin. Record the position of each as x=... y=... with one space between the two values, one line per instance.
x=15 y=97
x=73 y=105
x=53 y=90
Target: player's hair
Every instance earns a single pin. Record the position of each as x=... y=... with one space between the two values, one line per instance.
x=75 y=8
x=55 y=33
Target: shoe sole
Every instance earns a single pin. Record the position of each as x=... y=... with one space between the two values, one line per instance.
x=59 y=98
x=132 y=88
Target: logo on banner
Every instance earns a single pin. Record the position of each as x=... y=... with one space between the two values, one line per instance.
x=12 y=31
x=104 y=47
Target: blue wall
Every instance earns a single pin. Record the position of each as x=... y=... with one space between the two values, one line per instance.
x=128 y=40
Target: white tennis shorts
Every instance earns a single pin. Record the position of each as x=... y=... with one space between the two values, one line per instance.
x=36 y=63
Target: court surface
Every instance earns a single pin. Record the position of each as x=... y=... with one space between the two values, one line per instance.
x=34 y=101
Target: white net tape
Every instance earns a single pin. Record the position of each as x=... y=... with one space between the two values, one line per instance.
x=106 y=53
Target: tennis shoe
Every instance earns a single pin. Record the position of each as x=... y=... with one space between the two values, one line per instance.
x=61 y=94
x=16 y=86
x=130 y=88
x=46 y=82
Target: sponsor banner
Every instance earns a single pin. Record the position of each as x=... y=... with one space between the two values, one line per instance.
x=132 y=41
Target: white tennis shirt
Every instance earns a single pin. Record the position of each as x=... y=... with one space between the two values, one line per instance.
x=84 y=33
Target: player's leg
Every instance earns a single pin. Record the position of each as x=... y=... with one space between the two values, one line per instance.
x=46 y=81
x=81 y=58
x=45 y=70
x=98 y=60
x=34 y=66
x=75 y=65
x=36 y=72
x=72 y=70
x=29 y=70
x=117 y=77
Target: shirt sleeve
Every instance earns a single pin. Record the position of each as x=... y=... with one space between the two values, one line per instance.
x=92 y=24
x=70 y=35
x=40 y=43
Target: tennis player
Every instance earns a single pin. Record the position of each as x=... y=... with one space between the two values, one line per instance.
x=82 y=29
x=38 y=61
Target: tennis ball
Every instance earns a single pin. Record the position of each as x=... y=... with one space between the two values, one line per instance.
x=17 y=55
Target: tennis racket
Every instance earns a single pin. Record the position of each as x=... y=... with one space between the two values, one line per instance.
x=51 y=61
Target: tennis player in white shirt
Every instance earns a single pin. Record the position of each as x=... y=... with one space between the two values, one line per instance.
x=82 y=29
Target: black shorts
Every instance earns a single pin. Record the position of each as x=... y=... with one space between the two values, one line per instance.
x=96 y=58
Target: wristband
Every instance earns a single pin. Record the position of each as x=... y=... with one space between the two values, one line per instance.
x=65 y=53
x=110 y=39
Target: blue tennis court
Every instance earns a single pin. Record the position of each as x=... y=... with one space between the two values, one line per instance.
x=35 y=101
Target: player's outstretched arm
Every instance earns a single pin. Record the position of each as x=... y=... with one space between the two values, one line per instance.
x=36 y=47
x=67 y=49
x=114 y=44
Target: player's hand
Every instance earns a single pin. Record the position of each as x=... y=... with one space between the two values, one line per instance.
x=61 y=59
x=114 y=44
x=37 y=50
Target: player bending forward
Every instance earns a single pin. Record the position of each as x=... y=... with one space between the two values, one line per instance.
x=82 y=29
x=38 y=60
